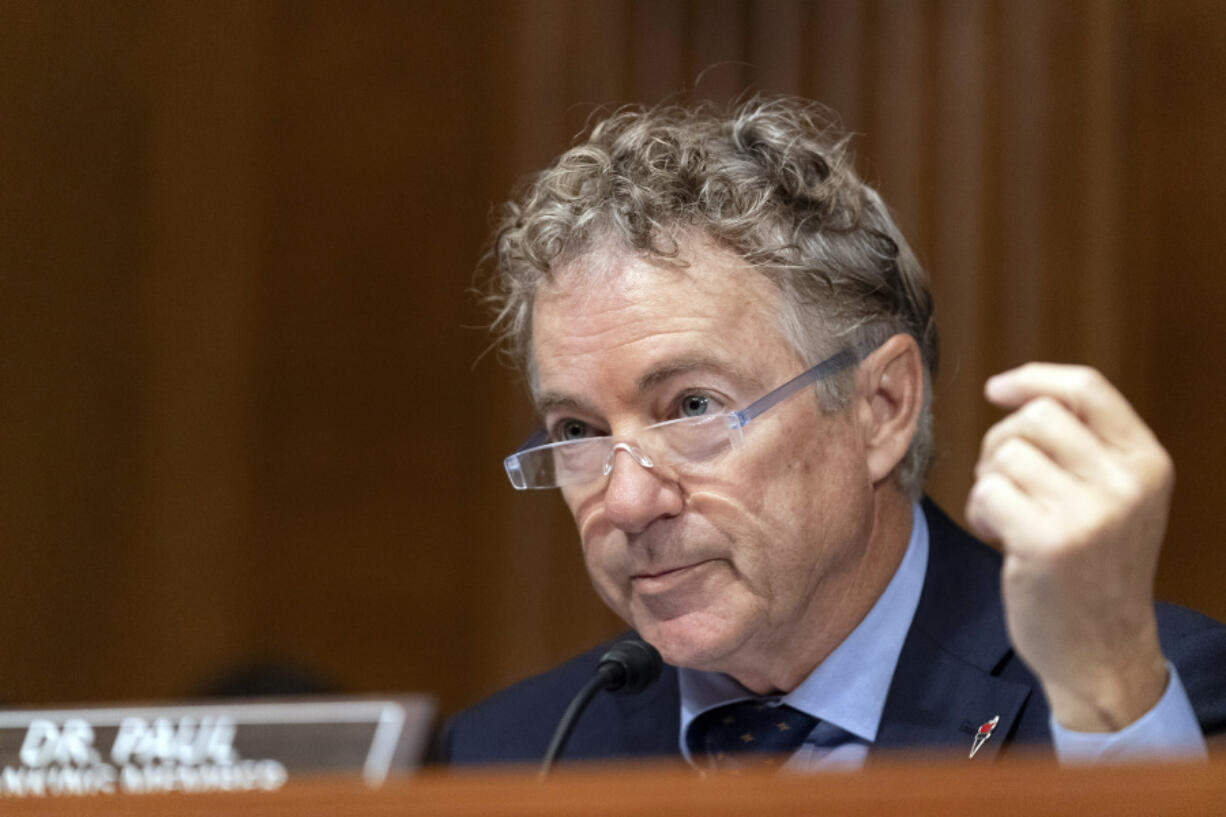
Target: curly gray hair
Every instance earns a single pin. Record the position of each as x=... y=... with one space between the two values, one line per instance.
x=772 y=181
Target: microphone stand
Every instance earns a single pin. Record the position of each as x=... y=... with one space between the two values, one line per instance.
x=629 y=666
x=567 y=725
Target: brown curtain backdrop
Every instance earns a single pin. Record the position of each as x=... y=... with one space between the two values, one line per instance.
x=245 y=407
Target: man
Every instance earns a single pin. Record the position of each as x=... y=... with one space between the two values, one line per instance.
x=732 y=349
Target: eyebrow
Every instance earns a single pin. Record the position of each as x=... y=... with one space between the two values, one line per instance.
x=692 y=363
x=549 y=401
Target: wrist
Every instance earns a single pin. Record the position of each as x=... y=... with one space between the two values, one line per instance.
x=1109 y=698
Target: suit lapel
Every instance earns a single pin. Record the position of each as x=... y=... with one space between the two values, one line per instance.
x=944 y=687
x=938 y=701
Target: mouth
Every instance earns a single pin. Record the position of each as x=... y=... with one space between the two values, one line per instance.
x=663 y=579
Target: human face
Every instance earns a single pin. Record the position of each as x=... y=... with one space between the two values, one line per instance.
x=732 y=570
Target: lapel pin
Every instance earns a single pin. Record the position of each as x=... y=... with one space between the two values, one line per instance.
x=985 y=732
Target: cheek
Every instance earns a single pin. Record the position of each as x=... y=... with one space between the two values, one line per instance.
x=824 y=460
x=781 y=487
x=802 y=504
x=756 y=533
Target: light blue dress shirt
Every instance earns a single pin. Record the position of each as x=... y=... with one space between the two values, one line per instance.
x=847 y=691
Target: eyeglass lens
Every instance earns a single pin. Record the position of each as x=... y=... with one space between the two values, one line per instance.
x=691 y=439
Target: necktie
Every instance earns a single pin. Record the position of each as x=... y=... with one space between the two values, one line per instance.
x=748 y=734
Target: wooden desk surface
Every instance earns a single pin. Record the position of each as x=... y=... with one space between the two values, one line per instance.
x=912 y=789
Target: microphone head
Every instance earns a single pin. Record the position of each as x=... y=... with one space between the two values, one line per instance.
x=630 y=666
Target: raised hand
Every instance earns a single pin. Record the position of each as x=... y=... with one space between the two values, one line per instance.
x=1076 y=488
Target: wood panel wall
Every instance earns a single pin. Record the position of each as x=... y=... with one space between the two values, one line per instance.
x=245 y=406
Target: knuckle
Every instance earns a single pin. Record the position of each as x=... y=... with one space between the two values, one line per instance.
x=981 y=489
x=1011 y=451
x=1088 y=379
x=1158 y=484
x=982 y=504
x=1168 y=478
x=981 y=469
x=1042 y=411
x=988 y=491
x=1153 y=474
x=1164 y=468
x=982 y=493
x=989 y=439
x=1129 y=490
x=1032 y=368
x=1035 y=416
x=974 y=501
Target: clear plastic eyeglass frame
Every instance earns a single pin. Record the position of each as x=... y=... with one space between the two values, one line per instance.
x=538 y=464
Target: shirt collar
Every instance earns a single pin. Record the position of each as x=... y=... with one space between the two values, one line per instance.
x=849 y=688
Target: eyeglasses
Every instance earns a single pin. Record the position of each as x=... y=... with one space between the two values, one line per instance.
x=689 y=440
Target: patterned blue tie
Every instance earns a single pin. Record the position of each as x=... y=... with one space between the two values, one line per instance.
x=748 y=734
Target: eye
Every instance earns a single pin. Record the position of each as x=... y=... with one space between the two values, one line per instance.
x=571 y=429
x=694 y=405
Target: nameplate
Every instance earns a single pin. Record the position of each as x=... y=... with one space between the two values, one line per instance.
x=219 y=746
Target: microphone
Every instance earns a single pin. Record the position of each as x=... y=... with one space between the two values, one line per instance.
x=628 y=667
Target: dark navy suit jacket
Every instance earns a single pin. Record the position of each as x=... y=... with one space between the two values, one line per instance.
x=956 y=670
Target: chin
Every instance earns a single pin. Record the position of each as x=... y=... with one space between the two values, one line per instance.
x=691 y=640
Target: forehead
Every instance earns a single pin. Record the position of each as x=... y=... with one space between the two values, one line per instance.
x=612 y=313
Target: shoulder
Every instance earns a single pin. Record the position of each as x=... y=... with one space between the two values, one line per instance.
x=515 y=724
x=1180 y=625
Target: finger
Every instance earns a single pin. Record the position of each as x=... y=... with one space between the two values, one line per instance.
x=996 y=506
x=1087 y=394
x=1052 y=428
x=1031 y=471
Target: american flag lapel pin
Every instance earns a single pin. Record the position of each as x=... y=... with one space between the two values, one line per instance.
x=985 y=732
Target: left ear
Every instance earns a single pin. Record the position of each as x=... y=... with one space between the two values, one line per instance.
x=889 y=398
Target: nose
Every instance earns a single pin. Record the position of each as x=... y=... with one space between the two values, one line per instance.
x=637 y=493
